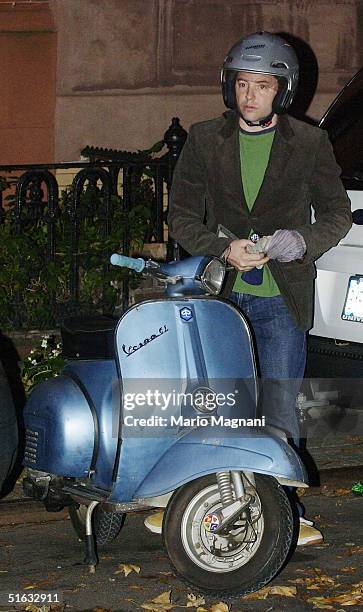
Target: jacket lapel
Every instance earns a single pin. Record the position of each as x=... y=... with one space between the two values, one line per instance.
x=228 y=153
x=281 y=151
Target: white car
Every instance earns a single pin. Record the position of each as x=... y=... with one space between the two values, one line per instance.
x=336 y=339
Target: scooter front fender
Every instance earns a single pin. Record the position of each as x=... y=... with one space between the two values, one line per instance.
x=200 y=452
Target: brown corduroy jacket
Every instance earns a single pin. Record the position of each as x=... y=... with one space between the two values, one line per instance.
x=302 y=172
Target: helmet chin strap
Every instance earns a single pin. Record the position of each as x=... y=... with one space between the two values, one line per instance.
x=260 y=123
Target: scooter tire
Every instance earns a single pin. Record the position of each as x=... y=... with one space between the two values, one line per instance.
x=275 y=546
x=106 y=525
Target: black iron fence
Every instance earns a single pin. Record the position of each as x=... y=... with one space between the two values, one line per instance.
x=56 y=243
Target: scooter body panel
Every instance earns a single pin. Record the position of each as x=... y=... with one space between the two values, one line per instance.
x=59 y=429
x=175 y=347
x=100 y=380
x=180 y=338
x=74 y=420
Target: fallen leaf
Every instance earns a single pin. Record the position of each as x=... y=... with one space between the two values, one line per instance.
x=195 y=601
x=30 y=586
x=341 y=491
x=320 y=603
x=40 y=583
x=260 y=594
x=358 y=588
x=135 y=587
x=219 y=607
x=33 y=608
x=160 y=603
x=323 y=580
x=273 y=590
x=127 y=568
x=348 y=570
x=315 y=582
x=345 y=599
x=320 y=587
x=283 y=590
x=353 y=550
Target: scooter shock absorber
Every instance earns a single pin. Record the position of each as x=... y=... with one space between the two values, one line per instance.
x=225 y=487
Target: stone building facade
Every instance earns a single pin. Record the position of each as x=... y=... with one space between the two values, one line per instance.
x=125 y=67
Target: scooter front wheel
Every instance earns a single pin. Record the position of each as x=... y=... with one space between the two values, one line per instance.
x=245 y=557
x=106 y=525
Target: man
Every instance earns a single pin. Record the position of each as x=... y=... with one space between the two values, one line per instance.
x=256 y=172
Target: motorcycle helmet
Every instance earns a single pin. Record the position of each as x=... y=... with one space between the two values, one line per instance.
x=264 y=53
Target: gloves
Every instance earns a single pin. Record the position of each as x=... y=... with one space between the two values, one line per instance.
x=283 y=245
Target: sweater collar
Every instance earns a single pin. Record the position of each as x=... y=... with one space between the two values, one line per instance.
x=231 y=124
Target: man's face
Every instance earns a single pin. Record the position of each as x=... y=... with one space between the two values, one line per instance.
x=255 y=94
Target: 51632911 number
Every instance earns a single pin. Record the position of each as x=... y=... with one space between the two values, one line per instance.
x=34 y=597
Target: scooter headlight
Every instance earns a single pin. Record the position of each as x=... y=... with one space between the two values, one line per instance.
x=213 y=276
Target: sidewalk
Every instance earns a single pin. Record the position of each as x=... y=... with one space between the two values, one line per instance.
x=335 y=438
x=45 y=555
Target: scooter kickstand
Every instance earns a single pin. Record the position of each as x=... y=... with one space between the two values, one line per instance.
x=91 y=555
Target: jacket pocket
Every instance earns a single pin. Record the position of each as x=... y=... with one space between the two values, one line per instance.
x=294 y=271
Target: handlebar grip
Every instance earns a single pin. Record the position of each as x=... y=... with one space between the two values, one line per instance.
x=132 y=263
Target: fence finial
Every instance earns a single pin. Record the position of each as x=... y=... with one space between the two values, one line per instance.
x=174 y=138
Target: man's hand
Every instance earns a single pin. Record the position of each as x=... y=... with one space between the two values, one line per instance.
x=283 y=245
x=238 y=257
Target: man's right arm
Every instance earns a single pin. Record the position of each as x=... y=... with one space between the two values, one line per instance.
x=187 y=208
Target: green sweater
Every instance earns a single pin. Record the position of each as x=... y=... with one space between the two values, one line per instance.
x=255 y=148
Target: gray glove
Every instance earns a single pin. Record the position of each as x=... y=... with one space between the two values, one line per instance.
x=283 y=245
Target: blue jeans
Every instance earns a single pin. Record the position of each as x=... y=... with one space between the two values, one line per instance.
x=281 y=355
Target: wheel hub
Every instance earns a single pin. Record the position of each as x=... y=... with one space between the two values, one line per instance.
x=211 y=522
x=229 y=549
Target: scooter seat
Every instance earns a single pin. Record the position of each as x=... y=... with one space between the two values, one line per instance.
x=88 y=337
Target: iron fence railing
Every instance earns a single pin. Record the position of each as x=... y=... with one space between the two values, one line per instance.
x=56 y=242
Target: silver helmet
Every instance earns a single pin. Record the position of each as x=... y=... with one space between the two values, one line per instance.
x=265 y=53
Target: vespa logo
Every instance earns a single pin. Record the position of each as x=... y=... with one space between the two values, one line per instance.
x=186 y=314
x=132 y=349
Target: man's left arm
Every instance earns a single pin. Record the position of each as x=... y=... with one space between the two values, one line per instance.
x=331 y=204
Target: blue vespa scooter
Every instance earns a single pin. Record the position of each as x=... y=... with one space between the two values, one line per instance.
x=158 y=410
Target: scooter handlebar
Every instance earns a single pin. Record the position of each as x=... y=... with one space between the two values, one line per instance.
x=132 y=263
